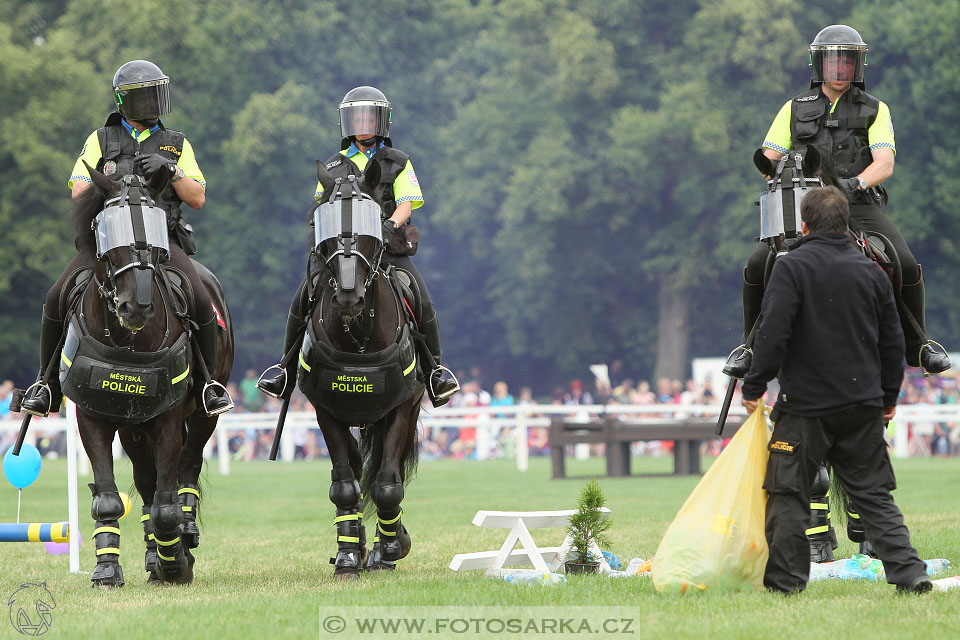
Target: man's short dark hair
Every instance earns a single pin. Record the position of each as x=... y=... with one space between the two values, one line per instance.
x=825 y=210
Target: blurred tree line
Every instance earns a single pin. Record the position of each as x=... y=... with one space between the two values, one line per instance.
x=586 y=165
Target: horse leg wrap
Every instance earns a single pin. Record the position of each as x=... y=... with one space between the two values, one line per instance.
x=189 y=495
x=166 y=518
x=150 y=557
x=820 y=533
x=106 y=509
x=855 y=530
x=392 y=537
x=351 y=537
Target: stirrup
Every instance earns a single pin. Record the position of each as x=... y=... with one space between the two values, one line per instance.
x=449 y=392
x=742 y=351
x=928 y=343
x=225 y=394
x=27 y=397
x=283 y=371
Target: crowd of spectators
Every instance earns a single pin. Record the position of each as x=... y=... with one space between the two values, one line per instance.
x=461 y=442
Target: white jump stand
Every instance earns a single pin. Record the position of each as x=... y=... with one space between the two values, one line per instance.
x=519 y=523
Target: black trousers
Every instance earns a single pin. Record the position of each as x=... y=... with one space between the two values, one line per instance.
x=852 y=442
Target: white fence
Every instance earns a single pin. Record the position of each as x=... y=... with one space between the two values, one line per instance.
x=912 y=421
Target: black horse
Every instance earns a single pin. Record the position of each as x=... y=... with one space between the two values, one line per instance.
x=128 y=362
x=358 y=367
x=788 y=181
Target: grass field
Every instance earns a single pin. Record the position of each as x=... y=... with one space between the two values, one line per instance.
x=262 y=567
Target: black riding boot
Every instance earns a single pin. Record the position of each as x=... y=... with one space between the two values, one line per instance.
x=438 y=388
x=41 y=398
x=214 y=396
x=920 y=351
x=738 y=362
x=278 y=382
x=823 y=539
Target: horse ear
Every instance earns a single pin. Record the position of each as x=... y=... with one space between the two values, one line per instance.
x=326 y=181
x=763 y=163
x=100 y=181
x=811 y=161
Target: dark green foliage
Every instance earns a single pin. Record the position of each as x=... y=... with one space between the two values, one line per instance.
x=588 y=523
x=586 y=165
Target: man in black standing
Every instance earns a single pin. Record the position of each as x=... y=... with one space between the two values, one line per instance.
x=831 y=333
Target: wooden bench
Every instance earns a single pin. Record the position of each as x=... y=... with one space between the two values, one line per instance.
x=617 y=435
x=519 y=523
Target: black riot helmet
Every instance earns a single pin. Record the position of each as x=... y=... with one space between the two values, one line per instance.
x=141 y=91
x=837 y=54
x=365 y=115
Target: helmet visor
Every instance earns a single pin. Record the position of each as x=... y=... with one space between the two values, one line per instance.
x=836 y=64
x=144 y=101
x=365 y=119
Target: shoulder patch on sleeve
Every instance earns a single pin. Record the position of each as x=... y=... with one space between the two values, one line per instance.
x=413 y=177
x=331 y=165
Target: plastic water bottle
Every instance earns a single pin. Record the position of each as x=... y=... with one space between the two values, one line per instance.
x=863 y=566
x=946 y=583
x=532 y=576
x=612 y=560
x=937 y=566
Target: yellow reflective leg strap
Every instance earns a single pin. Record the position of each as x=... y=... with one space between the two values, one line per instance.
x=115 y=530
x=813 y=530
x=188 y=490
x=382 y=521
x=348 y=539
x=822 y=506
x=855 y=516
x=144 y=517
x=349 y=516
x=115 y=550
x=168 y=543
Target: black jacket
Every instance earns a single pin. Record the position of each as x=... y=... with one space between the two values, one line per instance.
x=830 y=328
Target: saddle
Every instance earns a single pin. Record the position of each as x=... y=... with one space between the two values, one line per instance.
x=405 y=286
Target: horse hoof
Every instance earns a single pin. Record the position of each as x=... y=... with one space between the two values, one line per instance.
x=190 y=535
x=383 y=565
x=107 y=575
x=178 y=572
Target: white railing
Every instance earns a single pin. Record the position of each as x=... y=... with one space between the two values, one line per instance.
x=917 y=419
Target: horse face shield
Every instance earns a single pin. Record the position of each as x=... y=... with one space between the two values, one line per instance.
x=132 y=221
x=339 y=229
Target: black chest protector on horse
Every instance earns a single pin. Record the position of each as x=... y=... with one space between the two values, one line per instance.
x=120 y=385
x=358 y=388
x=391 y=163
x=841 y=136
x=119 y=147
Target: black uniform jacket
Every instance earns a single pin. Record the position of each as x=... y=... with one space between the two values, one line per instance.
x=830 y=327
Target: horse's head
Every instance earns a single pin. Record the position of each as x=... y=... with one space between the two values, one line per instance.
x=119 y=221
x=348 y=236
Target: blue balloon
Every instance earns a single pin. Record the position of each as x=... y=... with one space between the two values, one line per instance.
x=22 y=470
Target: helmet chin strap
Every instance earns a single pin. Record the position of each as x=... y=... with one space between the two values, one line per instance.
x=367 y=142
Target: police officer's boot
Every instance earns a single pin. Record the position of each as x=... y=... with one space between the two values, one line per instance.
x=438 y=388
x=41 y=398
x=927 y=354
x=277 y=381
x=214 y=396
x=739 y=361
x=820 y=533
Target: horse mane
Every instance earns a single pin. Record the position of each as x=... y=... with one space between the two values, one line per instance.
x=85 y=208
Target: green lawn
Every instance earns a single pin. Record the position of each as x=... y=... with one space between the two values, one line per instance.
x=262 y=567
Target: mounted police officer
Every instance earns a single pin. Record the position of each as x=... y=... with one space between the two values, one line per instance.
x=365 y=118
x=134 y=140
x=853 y=132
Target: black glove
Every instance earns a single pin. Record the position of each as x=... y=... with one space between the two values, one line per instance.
x=850 y=186
x=387 y=231
x=152 y=163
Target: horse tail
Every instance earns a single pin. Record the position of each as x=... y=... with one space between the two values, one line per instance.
x=841 y=501
x=371 y=453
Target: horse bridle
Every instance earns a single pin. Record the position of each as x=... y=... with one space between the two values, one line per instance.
x=133 y=192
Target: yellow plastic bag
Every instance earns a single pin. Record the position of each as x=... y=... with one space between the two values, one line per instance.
x=717 y=540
